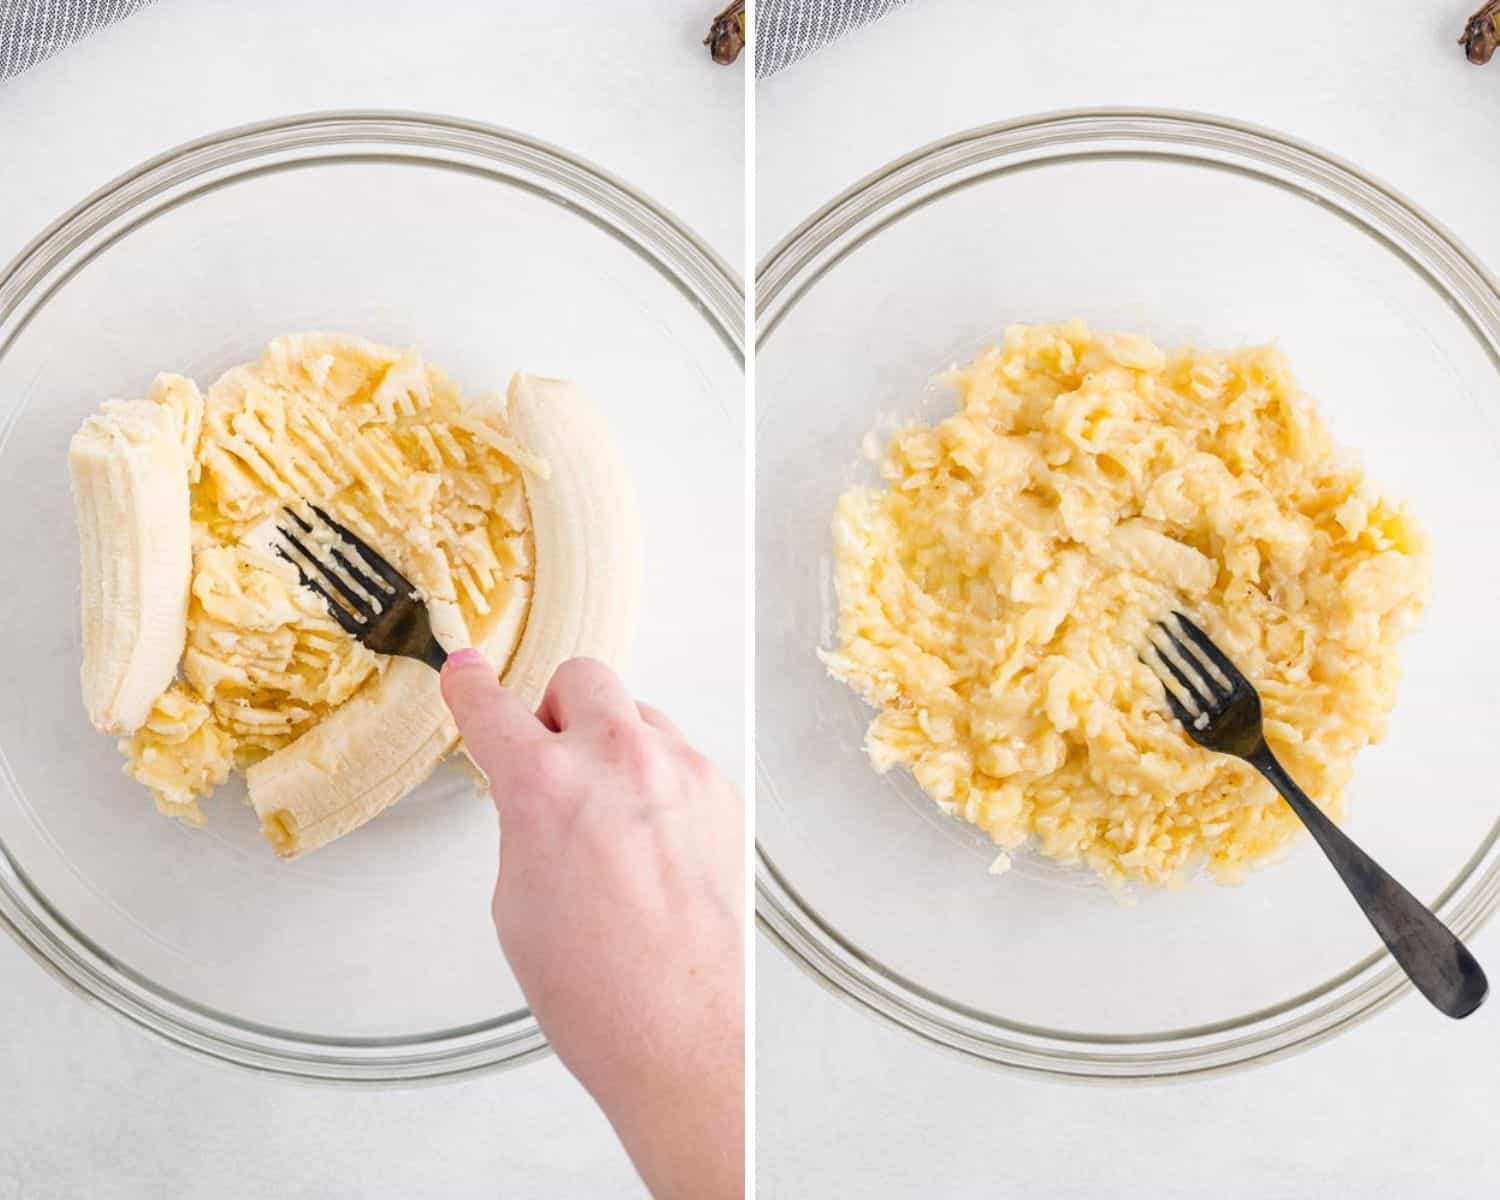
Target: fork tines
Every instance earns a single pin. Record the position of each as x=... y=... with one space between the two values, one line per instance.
x=1207 y=682
x=360 y=594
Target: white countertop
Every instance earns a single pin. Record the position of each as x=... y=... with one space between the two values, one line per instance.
x=90 y=1106
x=1402 y=1106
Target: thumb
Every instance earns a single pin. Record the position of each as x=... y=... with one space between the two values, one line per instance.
x=490 y=718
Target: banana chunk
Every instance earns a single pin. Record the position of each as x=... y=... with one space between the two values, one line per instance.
x=129 y=474
x=514 y=519
x=587 y=532
x=586 y=592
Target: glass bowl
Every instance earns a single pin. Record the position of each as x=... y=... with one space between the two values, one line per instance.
x=1190 y=229
x=373 y=959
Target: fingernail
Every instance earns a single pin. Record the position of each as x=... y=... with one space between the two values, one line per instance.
x=467 y=657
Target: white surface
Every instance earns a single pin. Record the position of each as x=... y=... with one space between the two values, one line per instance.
x=91 y=1107
x=1402 y=1106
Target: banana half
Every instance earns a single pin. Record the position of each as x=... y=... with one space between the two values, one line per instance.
x=376 y=748
x=129 y=469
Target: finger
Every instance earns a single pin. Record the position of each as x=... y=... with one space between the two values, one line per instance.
x=584 y=691
x=491 y=719
x=659 y=720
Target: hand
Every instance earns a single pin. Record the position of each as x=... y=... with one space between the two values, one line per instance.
x=619 y=907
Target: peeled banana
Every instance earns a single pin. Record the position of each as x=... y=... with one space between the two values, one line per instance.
x=129 y=469
x=587 y=531
x=515 y=520
x=377 y=747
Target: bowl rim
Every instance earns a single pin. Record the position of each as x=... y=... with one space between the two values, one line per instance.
x=178 y=176
x=859 y=213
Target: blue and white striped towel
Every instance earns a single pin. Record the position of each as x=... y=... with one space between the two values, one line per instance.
x=786 y=30
x=30 y=30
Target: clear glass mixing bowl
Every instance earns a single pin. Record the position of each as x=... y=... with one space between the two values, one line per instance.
x=374 y=958
x=1187 y=228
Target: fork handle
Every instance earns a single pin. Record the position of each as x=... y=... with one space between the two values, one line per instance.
x=1436 y=961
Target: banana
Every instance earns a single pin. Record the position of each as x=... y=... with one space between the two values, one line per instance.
x=129 y=473
x=587 y=532
x=366 y=755
x=385 y=741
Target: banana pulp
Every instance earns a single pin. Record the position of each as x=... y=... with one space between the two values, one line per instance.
x=257 y=675
x=994 y=595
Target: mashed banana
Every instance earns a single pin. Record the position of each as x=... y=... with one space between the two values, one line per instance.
x=994 y=595
x=384 y=440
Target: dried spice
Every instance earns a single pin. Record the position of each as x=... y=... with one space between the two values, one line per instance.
x=726 y=37
x=1482 y=34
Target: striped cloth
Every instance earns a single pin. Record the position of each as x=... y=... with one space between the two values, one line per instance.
x=30 y=30
x=786 y=30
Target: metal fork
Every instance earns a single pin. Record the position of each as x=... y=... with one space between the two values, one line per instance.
x=378 y=605
x=1224 y=716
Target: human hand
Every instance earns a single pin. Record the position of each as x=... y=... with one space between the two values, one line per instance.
x=619 y=907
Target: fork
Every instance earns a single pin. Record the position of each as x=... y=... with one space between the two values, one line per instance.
x=377 y=605
x=1224 y=716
